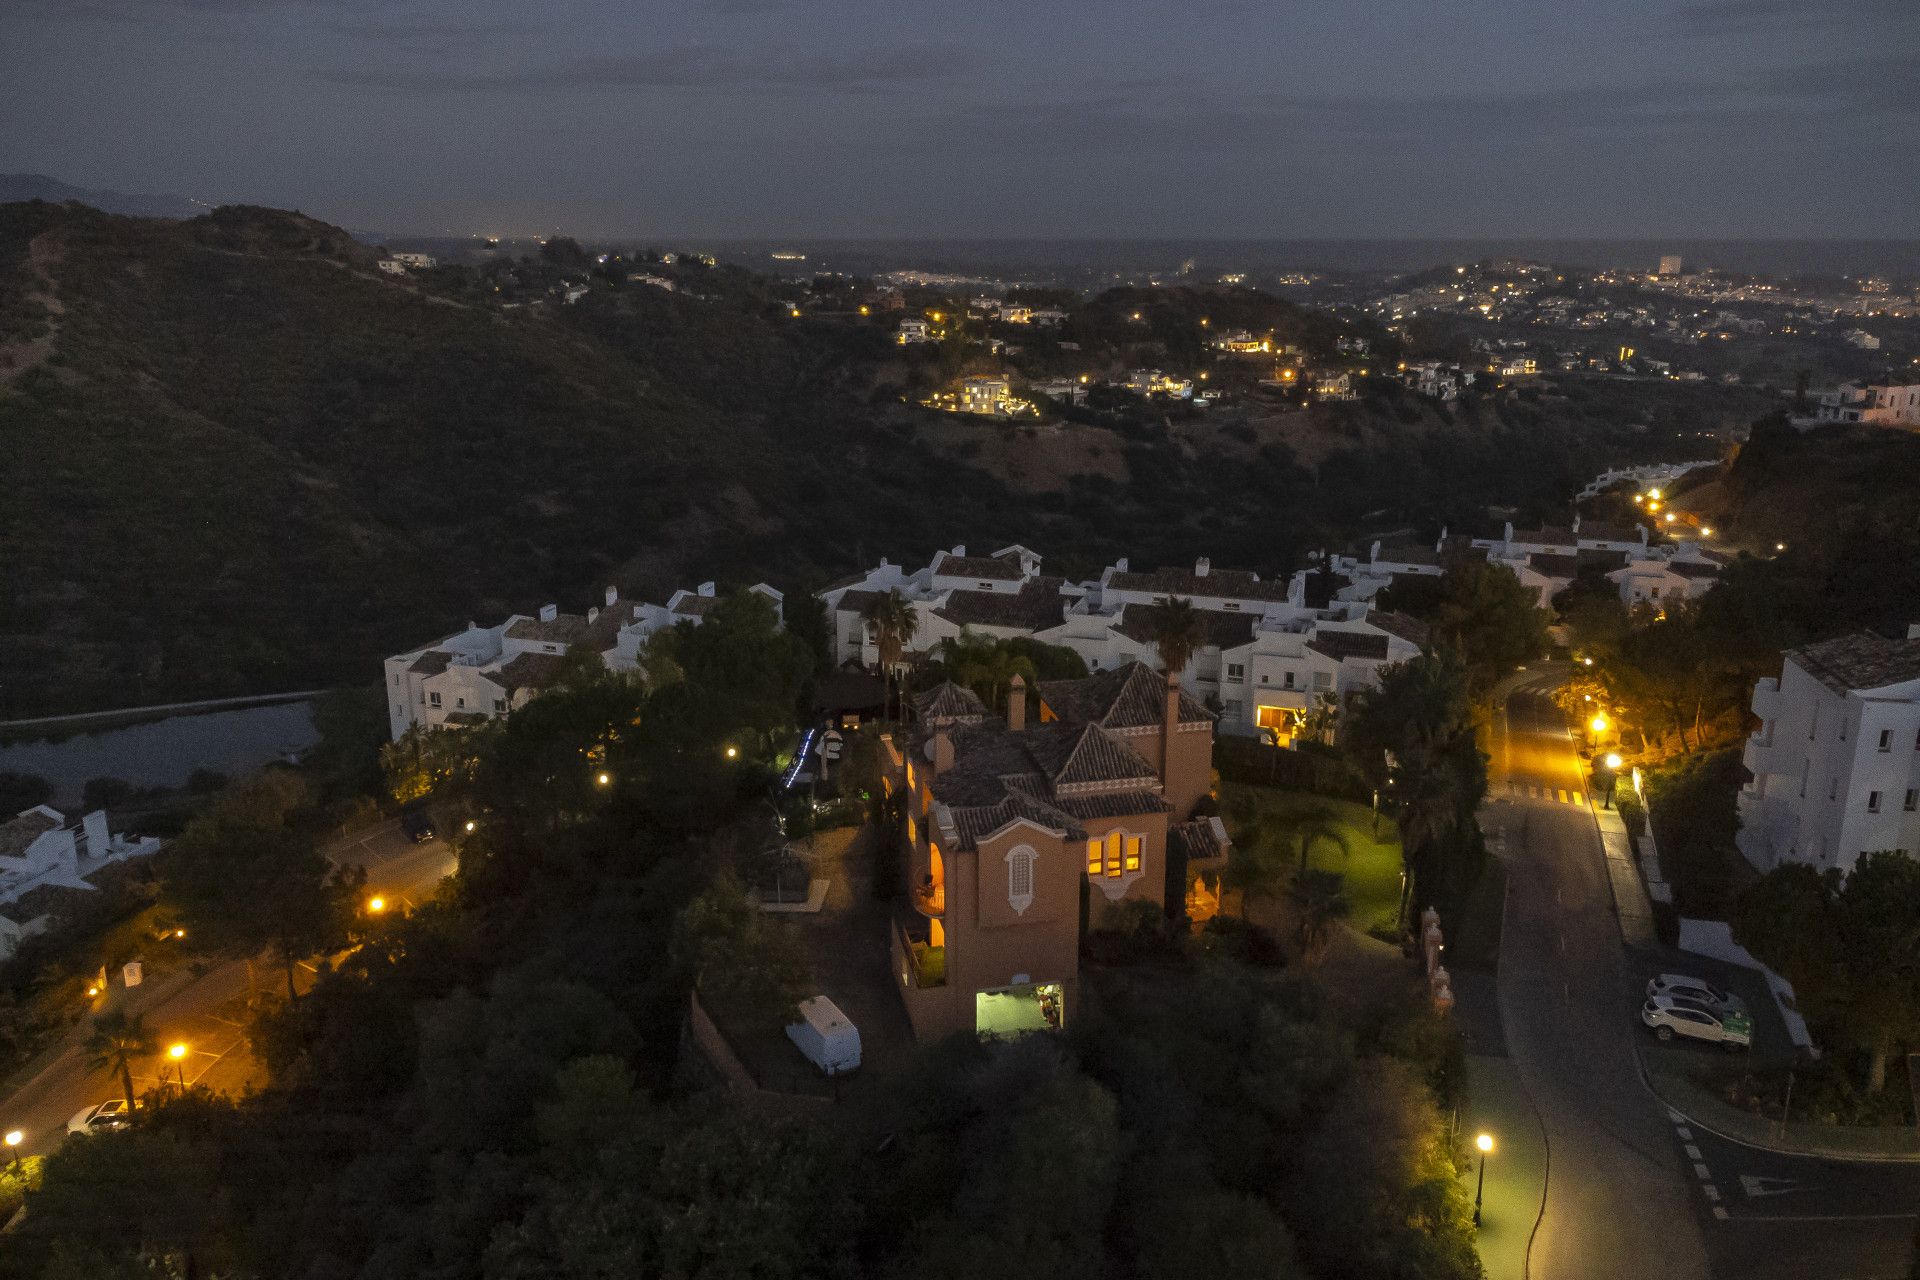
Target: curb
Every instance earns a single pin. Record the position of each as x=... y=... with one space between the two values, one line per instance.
x=1851 y=1157
x=1546 y=1141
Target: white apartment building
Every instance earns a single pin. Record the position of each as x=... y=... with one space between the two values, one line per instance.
x=913 y=330
x=991 y=394
x=1886 y=403
x=1835 y=763
x=1268 y=662
x=43 y=860
x=481 y=672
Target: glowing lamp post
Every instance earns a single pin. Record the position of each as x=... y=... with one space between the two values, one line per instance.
x=1611 y=761
x=178 y=1052
x=376 y=904
x=1485 y=1143
x=603 y=779
x=14 y=1139
x=733 y=753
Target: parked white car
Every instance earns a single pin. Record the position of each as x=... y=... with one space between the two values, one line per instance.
x=1697 y=990
x=1669 y=1016
x=101 y=1117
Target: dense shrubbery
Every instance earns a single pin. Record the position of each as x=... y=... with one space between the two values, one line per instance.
x=1694 y=822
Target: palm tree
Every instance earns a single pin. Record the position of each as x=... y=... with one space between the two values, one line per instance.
x=985 y=665
x=1256 y=864
x=1178 y=629
x=1315 y=823
x=1319 y=899
x=892 y=621
x=116 y=1041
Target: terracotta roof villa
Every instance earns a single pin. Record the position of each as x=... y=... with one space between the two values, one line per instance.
x=1008 y=817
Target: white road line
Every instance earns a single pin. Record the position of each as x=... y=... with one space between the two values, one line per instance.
x=1693 y=1152
x=1720 y=1212
x=1560 y=795
x=1703 y=1173
x=1713 y=1192
x=1579 y=800
x=1675 y=1116
x=1686 y=1134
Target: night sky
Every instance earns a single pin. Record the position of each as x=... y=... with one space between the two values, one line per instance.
x=984 y=118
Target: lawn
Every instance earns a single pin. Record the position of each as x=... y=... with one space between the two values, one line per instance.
x=1370 y=863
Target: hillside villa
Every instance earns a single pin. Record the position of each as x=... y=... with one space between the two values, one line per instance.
x=45 y=862
x=1011 y=824
x=1269 y=659
x=481 y=672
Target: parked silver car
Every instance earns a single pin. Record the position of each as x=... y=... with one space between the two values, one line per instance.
x=1698 y=990
x=101 y=1117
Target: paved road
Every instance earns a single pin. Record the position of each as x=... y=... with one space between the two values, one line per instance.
x=207 y=1012
x=1632 y=1189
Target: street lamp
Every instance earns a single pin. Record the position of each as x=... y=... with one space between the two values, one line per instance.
x=376 y=904
x=1485 y=1143
x=469 y=824
x=1611 y=764
x=603 y=779
x=14 y=1139
x=733 y=753
x=178 y=1052
x=1599 y=723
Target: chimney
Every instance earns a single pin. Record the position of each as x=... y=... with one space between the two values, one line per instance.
x=593 y=612
x=705 y=589
x=1442 y=544
x=613 y=596
x=1120 y=564
x=960 y=551
x=942 y=752
x=1201 y=566
x=1509 y=534
x=1913 y=631
x=548 y=612
x=1017 y=704
x=1576 y=522
x=1373 y=556
x=95 y=826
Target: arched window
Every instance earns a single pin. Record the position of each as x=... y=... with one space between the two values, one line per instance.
x=1020 y=878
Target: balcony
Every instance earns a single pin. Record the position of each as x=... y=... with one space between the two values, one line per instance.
x=930 y=898
x=921 y=953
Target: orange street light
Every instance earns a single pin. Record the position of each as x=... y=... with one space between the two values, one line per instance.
x=469 y=824
x=604 y=779
x=178 y=1052
x=733 y=753
x=376 y=904
x=14 y=1139
x=1613 y=759
x=1599 y=724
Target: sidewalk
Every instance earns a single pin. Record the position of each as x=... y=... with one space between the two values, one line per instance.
x=1629 y=891
x=1516 y=1184
x=1826 y=1142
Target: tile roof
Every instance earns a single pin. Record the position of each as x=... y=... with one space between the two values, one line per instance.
x=431 y=663
x=1692 y=569
x=857 y=601
x=565 y=628
x=1231 y=583
x=948 y=703
x=985 y=567
x=1342 y=645
x=1409 y=553
x=1549 y=537
x=1076 y=754
x=695 y=606
x=1128 y=697
x=20 y=831
x=1110 y=804
x=528 y=671
x=1035 y=607
x=1863 y=660
x=1603 y=531
x=1200 y=839
x=1226 y=629
x=1407 y=628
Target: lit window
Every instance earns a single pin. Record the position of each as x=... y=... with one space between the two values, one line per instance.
x=913 y=832
x=909 y=775
x=1094 y=857
x=1113 y=854
x=1133 y=853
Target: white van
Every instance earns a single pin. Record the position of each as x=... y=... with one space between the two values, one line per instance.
x=824 y=1035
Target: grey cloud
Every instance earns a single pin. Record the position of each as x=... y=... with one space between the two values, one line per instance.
x=689 y=66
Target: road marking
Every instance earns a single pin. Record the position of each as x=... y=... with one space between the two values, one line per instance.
x=1579 y=800
x=1720 y=1212
x=1693 y=1152
x=1675 y=1116
x=1686 y=1134
x=1755 y=1186
x=1560 y=795
x=1713 y=1192
x=1701 y=1172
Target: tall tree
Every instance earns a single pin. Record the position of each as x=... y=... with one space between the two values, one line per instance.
x=245 y=878
x=892 y=621
x=117 y=1040
x=1179 y=630
x=1318 y=899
